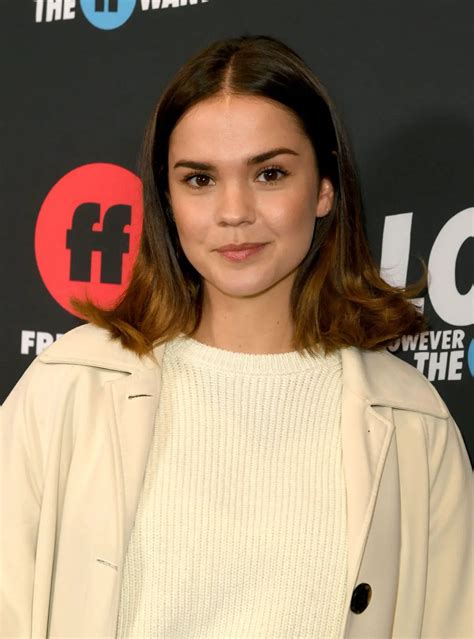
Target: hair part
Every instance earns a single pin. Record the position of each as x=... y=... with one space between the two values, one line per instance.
x=338 y=297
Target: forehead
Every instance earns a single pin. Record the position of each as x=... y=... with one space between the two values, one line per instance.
x=239 y=121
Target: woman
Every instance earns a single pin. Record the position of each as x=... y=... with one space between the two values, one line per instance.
x=230 y=451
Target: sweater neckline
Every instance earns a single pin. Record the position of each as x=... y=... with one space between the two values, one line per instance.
x=204 y=356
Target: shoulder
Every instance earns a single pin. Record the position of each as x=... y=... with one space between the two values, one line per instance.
x=386 y=380
x=91 y=346
x=382 y=379
x=84 y=356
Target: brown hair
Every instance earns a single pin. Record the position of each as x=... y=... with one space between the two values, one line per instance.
x=338 y=297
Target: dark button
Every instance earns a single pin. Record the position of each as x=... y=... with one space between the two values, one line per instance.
x=360 y=598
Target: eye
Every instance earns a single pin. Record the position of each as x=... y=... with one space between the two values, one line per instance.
x=272 y=172
x=202 y=180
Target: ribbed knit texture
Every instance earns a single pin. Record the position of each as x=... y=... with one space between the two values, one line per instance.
x=240 y=529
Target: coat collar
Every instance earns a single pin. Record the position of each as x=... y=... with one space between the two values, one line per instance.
x=377 y=377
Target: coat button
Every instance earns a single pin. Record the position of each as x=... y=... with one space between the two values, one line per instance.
x=361 y=598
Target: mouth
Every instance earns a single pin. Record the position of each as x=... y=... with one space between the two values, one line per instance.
x=240 y=252
x=239 y=247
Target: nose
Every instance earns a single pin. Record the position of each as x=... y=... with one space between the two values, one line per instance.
x=235 y=205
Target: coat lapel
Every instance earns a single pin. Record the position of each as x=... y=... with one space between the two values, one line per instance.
x=365 y=439
x=135 y=403
x=366 y=435
x=374 y=383
x=373 y=513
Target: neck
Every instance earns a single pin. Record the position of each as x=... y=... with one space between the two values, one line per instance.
x=257 y=324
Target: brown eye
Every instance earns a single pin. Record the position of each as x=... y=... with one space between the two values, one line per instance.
x=202 y=180
x=273 y=174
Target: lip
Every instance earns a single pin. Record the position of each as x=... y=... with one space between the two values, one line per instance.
x=239 y=247
x=241 y=253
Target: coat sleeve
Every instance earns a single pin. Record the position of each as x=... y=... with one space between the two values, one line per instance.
x=23 y=451
x=449 y=594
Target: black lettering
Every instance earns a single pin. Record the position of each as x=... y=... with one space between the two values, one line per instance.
x=115 y=242
x=112 y=242
x=112 y=5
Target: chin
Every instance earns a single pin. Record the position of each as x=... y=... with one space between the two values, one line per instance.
x=241 y=289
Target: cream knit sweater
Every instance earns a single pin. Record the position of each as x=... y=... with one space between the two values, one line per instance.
x=241 y=525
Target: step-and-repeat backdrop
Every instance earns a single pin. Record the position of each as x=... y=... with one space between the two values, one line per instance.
x=80 y=79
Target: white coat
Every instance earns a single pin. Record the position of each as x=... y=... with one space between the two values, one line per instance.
x=74 y=440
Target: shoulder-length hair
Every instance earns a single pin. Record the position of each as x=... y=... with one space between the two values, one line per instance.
x=338 y=297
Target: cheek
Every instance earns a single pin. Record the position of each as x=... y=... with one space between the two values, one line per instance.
x=189 y=220
x=194 y=237
x=293 y=219
x=188 y=227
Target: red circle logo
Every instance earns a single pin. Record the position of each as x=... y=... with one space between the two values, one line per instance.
x=88 y=233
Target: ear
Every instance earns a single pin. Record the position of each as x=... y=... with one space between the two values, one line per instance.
x=325 y=198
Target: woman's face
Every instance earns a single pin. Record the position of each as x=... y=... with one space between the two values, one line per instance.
x=221 y=192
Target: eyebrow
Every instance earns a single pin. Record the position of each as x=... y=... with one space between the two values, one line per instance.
x=256 y=159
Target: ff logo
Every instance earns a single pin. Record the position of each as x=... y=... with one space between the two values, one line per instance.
x=88 y=232
x=107 y=14
x=103 y=14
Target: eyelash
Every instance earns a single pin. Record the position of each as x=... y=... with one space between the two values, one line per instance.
x=284 y=172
